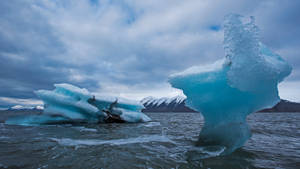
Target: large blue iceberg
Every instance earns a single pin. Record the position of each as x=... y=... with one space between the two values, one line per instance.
x=70 y=104
x=229 y=90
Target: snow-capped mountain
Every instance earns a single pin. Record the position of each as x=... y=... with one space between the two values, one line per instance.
x=174 y=104
x=177 y=104
x=158 y=101
x=20 y=107
x=164 y=104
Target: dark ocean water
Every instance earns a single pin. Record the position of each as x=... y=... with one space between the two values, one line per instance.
x=166 y=142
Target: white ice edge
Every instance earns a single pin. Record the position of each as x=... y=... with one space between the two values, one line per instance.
x=217 y=65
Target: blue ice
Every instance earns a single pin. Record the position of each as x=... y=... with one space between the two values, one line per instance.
x=71 y=104
x=225 y=92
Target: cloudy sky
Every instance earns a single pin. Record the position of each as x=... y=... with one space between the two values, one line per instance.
x=128 y=48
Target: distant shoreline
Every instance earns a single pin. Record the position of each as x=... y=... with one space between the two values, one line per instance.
x=173 y=106
x=167 y=105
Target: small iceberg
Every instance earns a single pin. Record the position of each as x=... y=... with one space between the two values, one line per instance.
x=229 y=90
x=71 y=104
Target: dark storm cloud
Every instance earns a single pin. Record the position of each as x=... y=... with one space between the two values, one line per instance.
x=280 y=24
x=25 y=40
x=27 y=46
x=126 y=48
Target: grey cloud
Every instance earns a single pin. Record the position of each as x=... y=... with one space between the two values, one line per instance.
x=279 y=28
x=27 y=47
x=279 y=22
x=131 y=44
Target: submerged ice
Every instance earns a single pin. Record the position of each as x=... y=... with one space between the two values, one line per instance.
x=229 y=90
x=70 y=104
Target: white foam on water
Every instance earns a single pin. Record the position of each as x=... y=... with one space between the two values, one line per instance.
x=84 y=129
x=4 y=137
x=152 y=124
x=198 y=153
x=93 y=142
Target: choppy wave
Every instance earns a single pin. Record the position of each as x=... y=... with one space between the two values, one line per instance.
x=94 y=142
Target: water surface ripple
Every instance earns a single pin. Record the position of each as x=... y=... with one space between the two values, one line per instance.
x=166 y=142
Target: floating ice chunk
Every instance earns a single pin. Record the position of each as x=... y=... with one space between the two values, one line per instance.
x=69 y=101
x=71 y=104
x=35 y=120
x=227 y=91
x=134 y=117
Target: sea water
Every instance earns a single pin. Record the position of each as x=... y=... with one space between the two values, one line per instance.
x=166 y=142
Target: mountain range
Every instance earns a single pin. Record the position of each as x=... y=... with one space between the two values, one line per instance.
x=164 y=104
x=177 y=104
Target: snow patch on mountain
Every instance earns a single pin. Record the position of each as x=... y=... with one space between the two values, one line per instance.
x=158 y=101
x=21 y=107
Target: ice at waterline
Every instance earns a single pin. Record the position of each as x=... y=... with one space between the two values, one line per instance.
x=70 y=104
x=229 y=90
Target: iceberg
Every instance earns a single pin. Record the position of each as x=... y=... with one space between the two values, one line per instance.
x=71 y=104
x=225 y=92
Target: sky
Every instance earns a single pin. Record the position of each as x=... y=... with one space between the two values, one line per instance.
x=129 y=48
